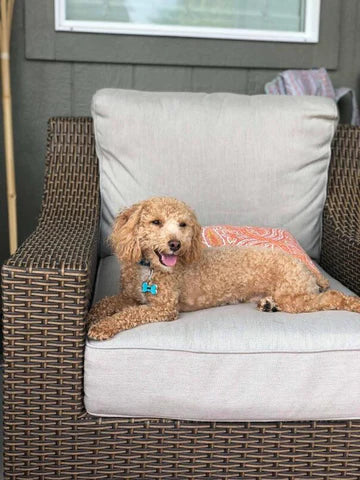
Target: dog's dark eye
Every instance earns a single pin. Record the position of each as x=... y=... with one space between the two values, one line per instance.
x=156 y=222
x=182 y=224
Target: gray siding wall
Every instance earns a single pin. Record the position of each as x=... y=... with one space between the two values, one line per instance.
x=57 y=74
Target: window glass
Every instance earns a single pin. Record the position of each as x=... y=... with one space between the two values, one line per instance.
x=277 y=15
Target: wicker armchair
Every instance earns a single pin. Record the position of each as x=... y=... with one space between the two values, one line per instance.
x=47 y=286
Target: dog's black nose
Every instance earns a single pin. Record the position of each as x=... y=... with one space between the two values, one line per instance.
x=174 y=245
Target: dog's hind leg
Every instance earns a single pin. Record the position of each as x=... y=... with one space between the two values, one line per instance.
x=267 y=304
x=329 y=300
x=322 y=282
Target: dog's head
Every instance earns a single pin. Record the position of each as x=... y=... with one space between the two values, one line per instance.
x=161 y=230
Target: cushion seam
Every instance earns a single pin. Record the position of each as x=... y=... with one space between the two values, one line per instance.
x=264 y=352
x=205 y=419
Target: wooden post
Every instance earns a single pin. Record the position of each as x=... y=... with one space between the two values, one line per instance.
x=7 y=7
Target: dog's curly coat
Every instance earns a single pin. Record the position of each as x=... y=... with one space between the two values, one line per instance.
x=165 y=233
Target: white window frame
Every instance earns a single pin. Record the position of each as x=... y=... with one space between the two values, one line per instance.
x=310 y=35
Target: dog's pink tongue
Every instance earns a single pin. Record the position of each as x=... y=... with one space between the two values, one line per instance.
x=168 y=260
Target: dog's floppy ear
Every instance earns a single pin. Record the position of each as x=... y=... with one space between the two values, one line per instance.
x=124 y=237
x=194 y=253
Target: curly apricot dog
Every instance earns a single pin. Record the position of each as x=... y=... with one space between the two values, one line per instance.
x=165 y=270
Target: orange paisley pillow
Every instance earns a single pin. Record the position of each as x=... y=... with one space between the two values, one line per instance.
x=218 y=235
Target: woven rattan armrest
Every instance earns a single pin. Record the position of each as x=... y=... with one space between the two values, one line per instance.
x=47 y=283
x=340 y=253
x=68 y=225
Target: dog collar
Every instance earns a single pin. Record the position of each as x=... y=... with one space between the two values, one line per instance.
x=144 y=263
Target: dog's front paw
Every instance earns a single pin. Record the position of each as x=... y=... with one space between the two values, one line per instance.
x=103 y=329
x=267 y=304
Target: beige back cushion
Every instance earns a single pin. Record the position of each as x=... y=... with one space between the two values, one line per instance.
x=236 y=159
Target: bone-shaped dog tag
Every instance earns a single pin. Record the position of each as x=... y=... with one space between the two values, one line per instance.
x=145 y=288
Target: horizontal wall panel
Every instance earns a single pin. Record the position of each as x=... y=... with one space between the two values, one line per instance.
x=205 y=79
x=157 y=78
x=90 y=77
x=40 y=29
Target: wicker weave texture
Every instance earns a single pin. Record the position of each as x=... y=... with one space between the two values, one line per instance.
x=48 y=434
x=340 y=254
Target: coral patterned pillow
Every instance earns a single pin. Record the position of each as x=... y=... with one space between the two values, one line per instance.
x=218 y=235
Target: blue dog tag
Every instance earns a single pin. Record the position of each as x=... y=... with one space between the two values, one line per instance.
x=145 y=288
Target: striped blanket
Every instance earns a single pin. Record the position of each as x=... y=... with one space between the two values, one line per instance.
x=310 y=82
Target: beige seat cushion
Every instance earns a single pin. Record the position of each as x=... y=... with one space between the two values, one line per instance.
x=227 y=363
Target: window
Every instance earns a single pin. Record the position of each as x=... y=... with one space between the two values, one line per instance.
x=266 y=20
